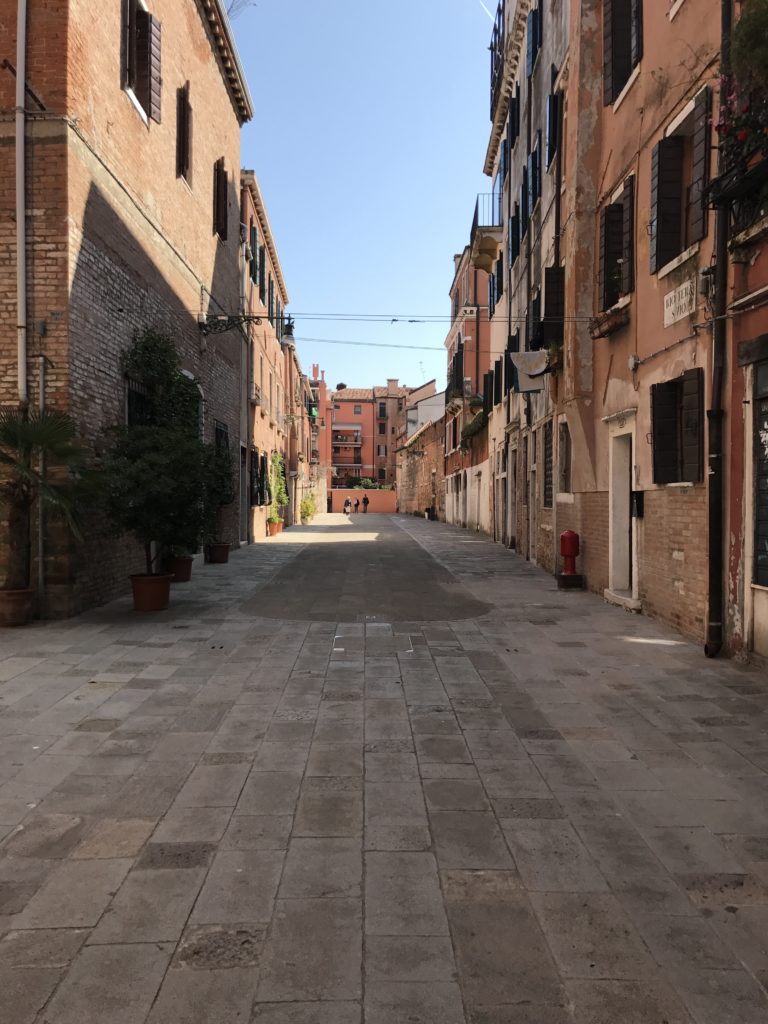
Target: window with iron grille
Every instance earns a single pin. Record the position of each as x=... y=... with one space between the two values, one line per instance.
x=137 y=403
x=761 y=474
x=221 y=435
x=547 y=488
x=141 y=71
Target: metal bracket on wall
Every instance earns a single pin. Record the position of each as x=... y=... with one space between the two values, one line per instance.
x=219 y=324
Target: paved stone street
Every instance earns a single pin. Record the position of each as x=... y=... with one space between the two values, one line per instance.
x=399 y=779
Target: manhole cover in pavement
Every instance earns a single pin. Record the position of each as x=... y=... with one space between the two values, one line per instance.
x=176 y=855
x=208 y=947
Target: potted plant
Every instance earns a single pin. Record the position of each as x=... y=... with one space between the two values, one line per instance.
x=219 y=492
x=38 y=451
x=307 y=509
x=274 y=522
x=155 y=467
x=279 y=492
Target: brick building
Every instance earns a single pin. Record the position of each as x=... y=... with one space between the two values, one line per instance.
x=131 y=131
x=421 y=475
x=365 y=431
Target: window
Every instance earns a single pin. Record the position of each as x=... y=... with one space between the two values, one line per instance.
x=513 y=132
x=533 y=176
x=616 y=275
x=382 y=410
x=622 y=44
x=553 y=126
x=221 y=435
x=533 y=39
x=513 y=238
x=271 y=301
x=679 y=177
x=358 y=410
x=262 y=276
x=382 y=474
x=524 y=204
x=547 y=483
x=498 y=383
x=492 y=293
x=137 y=403
x=499 y=276
x=220 y=199
x=336 y=449
x=382 y=428
x=677 y=421
x=183 y=134
x=381 y=450
x=564 y=464
x=761 y=474
x=141 y=57
x=254 y=243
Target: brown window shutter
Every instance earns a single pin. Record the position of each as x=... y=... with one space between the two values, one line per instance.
x=183 y=124
x=608 y=96
x=665 y=437
x=636 y=31
x=497 y=381
x=155 y=79
x=692 y=426
x=666 y=201
x=628 y=236
x=699 y=214
x=128 y=48
x=611 y=247
x=554 y=304
x=220 y=211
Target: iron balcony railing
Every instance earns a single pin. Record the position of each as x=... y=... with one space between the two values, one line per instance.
x=487 y=212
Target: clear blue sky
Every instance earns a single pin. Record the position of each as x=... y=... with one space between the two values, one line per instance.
x=369 y=136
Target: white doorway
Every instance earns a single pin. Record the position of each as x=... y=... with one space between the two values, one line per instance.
x=622 y=554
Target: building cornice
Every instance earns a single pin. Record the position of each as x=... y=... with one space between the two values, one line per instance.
x=514 y=35
x=214 y=13
x=248 y=180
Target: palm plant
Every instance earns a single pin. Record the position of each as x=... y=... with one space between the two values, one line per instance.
x=37 y=452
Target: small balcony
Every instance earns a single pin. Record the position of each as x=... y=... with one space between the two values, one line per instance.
x=486 y=236
x=348 y=441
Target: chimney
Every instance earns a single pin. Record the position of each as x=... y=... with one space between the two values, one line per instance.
x=315 y=371
x=391 y=386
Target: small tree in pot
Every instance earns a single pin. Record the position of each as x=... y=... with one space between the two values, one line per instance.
x=38 y=453
x=156 y=468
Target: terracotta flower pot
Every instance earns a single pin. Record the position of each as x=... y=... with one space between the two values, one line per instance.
x=280 y=526
x=219 y=552
x=273 y=529
x=16 y=607
x=151 y=593
x=181 y=568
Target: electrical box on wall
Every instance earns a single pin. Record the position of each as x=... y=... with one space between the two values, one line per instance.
x=637 y=504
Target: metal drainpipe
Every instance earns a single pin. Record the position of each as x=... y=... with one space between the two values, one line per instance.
x=40 y=512
x=714 y=638
x=21 y=232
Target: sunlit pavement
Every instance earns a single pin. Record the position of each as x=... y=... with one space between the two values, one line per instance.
x=381 y=766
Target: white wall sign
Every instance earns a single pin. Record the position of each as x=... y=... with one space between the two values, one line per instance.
x=680 y=302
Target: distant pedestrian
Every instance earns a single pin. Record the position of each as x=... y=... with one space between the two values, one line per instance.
x=366 y=503
x=347 y=506
x=357 y=504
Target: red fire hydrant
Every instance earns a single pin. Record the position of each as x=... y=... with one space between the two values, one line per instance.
x=569 y=549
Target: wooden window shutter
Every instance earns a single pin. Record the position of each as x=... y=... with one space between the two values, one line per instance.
x=220 y=214
x=608 y=95
x=666 y=201
x=262 y=275
x=692 y=426
x=500 y=276
x=254 y=244
x=664 y=426
x=497 y=381
x=524 y=204
x=611 y=247
x=636 y=32
x=155 y=77
x=553 y=126
x=532 y=41
x=531 y=190
x=628 y=236
x=699 y=215
x=183 y=132
x=554 y=304
x=512 y=129
x=491 y=293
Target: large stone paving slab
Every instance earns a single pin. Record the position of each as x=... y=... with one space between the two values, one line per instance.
x=379 y=770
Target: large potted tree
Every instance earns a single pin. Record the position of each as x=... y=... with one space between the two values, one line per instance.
x=155 y=468
x=38 y=453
